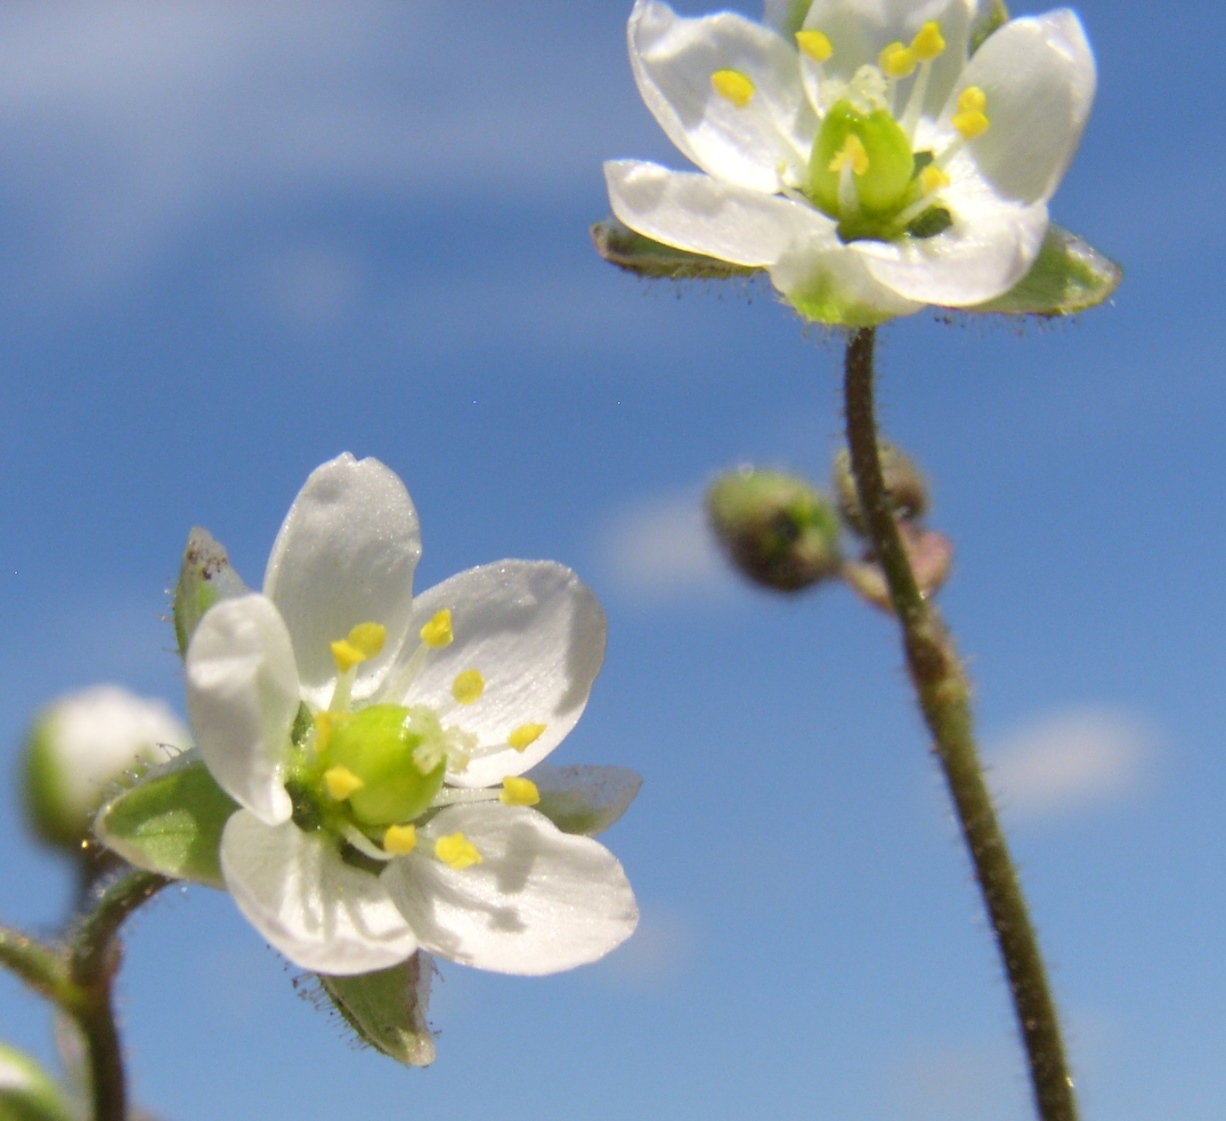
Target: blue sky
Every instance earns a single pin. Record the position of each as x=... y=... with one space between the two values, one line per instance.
x=241 y=238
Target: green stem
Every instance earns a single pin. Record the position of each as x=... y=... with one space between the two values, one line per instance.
x=944 y=697
x=94 y=957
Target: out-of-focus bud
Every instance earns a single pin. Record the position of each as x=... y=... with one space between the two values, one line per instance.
x=77 y=749
x=930 y=554
x=779 y=531
x=903 y=480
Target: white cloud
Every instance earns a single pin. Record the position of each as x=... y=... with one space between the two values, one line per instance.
x=126 y=126
x=662 y=548
x=1069 y=760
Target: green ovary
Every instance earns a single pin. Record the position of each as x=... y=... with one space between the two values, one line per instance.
x=399 y=755
x=881 y=168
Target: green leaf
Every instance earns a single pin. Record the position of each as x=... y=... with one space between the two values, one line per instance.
x=387 y=1008
x=621 y=246
x=27 y=1093
x=205 y=576
x=170 y=821
x=1068 y=276
x=584 y=800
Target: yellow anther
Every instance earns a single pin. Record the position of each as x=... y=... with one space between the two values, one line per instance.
x=519 y=792
x=325 y=722
x=928 y=41
x=732 y=86
x=969 y=121
x=852 y=153
x=362 y=642
x=467 y=686
x=437 y=633
x=814 y=44
x=456 y=851
x=525 y=735
x=340 y=782
x=400 y=840
x=897 y=61
x=972 y=100
x=932 y=179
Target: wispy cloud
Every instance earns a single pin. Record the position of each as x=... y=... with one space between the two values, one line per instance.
x=125 y=127
x=662 y=549
x=1070 y=760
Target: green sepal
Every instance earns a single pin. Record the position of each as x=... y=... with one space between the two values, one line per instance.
x=27 y=1092
x=1067 y=276
x=621 y=246
x=205 y=576
x=387 y=1008
x=992 y=20
x=581 y=799
x=170 y=821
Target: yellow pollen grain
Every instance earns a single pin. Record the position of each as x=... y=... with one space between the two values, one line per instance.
x=519 y=792
x=732 y=86
x=524 y=736
x=456 y=851
x=437 y=632
x=400 y=840
x=928 y=41
x=972 y=100
x=852 y=153
x=814 y=45
x=932 y=179
x=969 y=123
x=362 y=642
x=897 y=61
x=340 y=782
x=467 y=686
x=346 y=655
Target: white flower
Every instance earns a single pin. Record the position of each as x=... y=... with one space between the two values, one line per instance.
x=84 y=743
x=364 y=732
x=867 y=161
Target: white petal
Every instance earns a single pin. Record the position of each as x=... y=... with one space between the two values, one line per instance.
x=1038 y=75
x=314 y=908
x=704 y=215
x=541 y=900
x=345 y=555
x=242 y=696
x=829 y=282
x=673 y=59
x=988 y=249
x=536 y=635
x=859 y=29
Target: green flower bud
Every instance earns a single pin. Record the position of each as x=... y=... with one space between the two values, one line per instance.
x=80 y=747
x=904 y=482
x=387 y=762
x=873 y=149
x=777 y=530
x=205 y=576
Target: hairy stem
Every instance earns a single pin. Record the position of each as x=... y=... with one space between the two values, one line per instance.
x=944 y=698
x=94 y=956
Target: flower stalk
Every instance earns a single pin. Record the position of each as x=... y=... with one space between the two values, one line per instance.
x=943 y=694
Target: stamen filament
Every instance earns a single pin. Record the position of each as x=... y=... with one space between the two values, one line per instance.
x=364 y=844
x=459 y=795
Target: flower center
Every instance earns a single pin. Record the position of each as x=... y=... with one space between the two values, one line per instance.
x=385 y=762
x=864 y=169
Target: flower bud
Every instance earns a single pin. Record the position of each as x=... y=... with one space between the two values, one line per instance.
x=904 y=481
x=930 y=554
x=83 y=744
x=776 y=529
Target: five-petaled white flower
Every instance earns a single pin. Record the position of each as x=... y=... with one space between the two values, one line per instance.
x=364 y=731
x=867 y=160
